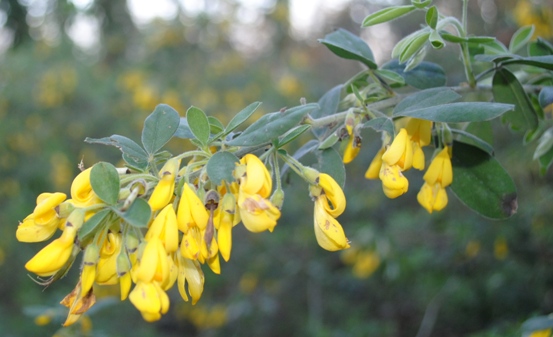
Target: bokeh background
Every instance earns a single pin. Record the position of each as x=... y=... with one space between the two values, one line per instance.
x=71 y=69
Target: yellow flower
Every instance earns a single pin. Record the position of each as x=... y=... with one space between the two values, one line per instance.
x=400 y=152
x=43 y=222
x=394 y=182
x=439 y=175
x=163 y=192
x=256 y=179
x=224 y=223
x=106 y=269
x=82 y=194
x=328 y=231
x=88 y=272
x=373 y=172
x=153 y=263
x=55 y=255
x=420 y=132
x=150 y=299
x=165 y=228
x=541 y=333
x=191 y=211
x=78 y=303
x=257 y=214
x=432 y=197
x=330 y=202
x=190 y=244
x=190 y=273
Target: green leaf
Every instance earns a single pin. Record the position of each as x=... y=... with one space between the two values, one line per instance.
x=349 y=46
x=414 y=46
x=215 y=126
x=459 y=112
x=390 y=76
x=432 y=17
x=272 y=126
x=495 y=47
x=417 y=59
x=137 y=215
x=183 y=131
x=481 y=183
x=426 y=98
x=537 y=324
x=329 y=141
x=452 y=38
x=545 y=161
x=482 y=39
x=293 y=134
x=545 y=144
x=426 y=75
x=482 y=130
x=88 y=229
x=220 y=167
x=507 y=89
x=535 y=48
x=380 y=124
x=327 y=105
x=545 y=97
x=159 y=127
x=104 y=180
x=520 y=38
x=469 y=138
x=545 y=44
x=330 y=162
x=198 y=124
x=387 y=14
x=420 y=4
x=133 y=153
x=241 y=117
x=544 y=62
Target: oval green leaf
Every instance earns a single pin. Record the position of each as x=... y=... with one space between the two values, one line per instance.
x=520 y=38
x=215 y=125
x=426 y=75
x=198 y=124
x=133 y=154
x=387 y=14
x=481 y=183
x=459 y=112
x=432 y=17
x=349 y=46
x=87 y=231
x=293 y=134
x=104 y=180
x=329 y=141
x=507 y=89
x=159 y=127
x=381 y=124
x=272 y=126
x=426 y=98
x=220 y=167
x=471 y=139
x=390 y=77
x=241 y=117
x=137 y=215
x=183 y=131
x=415 y=45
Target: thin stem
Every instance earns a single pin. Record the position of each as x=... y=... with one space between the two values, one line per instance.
x=277 y=171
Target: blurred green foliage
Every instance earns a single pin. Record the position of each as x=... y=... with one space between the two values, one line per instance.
x=408 y=273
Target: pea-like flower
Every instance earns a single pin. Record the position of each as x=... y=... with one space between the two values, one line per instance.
x=163 y=192
x=420 y=132
x=439 y=175
x=43 y=222
x=256 y=212
x=330 y=202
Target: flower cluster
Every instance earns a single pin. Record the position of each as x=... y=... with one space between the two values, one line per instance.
x=405 y=152
x=190 y=225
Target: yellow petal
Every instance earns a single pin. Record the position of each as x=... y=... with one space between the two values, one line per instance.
x=214 y=264
x=29 y=231
x=163 y=192
x=394 y=182
x=257 y=179
x=190 y=244
x=432 y=197
x=334 y=194
x=190 y=272
x=420 y=131
x=397 y=150
x=51 y=258
x=150 y=260
x=350 y=152
x=418 y=157
x=125 y=283
x=81 y=190
x=145 y=298
x=374 y=168
x=191 y=211
x=165 y=228
x=440 y=170
x=224 y=236
x=44 y=211
x=329 y=233
x=257 y=214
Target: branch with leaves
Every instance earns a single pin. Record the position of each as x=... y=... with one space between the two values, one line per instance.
x=156 y=221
